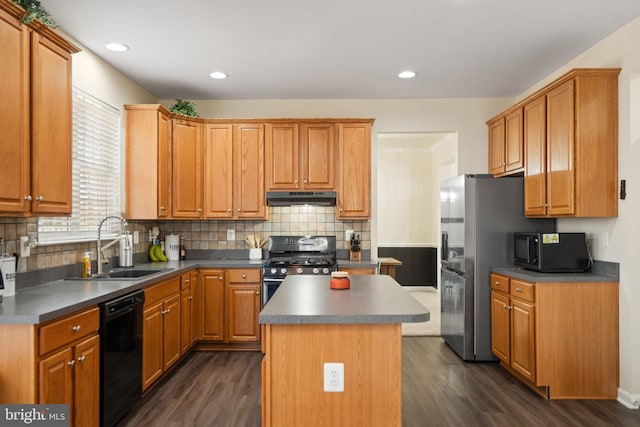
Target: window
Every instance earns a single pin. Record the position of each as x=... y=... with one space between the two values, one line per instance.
x=96 y=174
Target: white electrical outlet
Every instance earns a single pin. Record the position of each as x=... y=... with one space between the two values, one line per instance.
x=136 y=237
x=348 y=234
x=334 y=377
x=231 y=234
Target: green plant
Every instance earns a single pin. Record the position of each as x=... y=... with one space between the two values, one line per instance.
x=35 y=10
x=186 y=108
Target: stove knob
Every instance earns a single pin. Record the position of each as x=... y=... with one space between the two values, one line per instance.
x=283 y=271
x=274 y=270
x=316 y=271
x=299 y=271
x=325 y=271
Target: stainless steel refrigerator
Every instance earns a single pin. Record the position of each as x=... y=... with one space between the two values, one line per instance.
x=479 y=215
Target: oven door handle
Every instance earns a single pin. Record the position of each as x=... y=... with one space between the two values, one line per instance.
x=267 y=279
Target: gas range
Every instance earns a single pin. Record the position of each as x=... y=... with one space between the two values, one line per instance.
x=300 y=255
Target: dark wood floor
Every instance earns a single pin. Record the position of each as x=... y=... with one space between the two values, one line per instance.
x=223 y=389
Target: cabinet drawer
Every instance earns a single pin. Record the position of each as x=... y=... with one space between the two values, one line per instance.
x=500 y=282
x=161 y=290
x=186 y=279
x=243 y=276
x=57 y=334
x=522 y=290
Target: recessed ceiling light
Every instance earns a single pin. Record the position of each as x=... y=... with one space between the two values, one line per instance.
x=407 y=74
x=117 y=47
x=218 y=75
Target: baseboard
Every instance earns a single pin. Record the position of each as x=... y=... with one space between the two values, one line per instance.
x=631 y=401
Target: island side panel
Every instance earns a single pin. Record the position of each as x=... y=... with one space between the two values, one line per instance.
x=294 y=364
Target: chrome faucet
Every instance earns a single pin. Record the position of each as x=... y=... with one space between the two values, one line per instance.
x=123 y=224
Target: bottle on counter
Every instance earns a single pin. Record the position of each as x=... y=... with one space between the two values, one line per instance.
x=86 y=264
x=183 y=250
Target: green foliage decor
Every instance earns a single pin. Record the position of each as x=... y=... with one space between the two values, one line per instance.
x=185 y=108
x=35 y=10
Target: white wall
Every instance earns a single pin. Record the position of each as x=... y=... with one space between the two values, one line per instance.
x=619 y=50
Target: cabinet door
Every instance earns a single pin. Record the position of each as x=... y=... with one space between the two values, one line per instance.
x=171 y=330
x=14 y=120
x=243 y=307
x=523 y=338
x=535 y=141
x=248 y=175
x=212 y=305
x=496 y=146
x=50 y=127
x=500 y=326
x=186 y=305
x=318 y=156
x=218 y=171
x=514 y=146
x=195 y=307
x=56 y=378
x=560 y=150
x=187 y=169
x=282 y=157
x=164 y=165
x=152 y=349
x=87 y=382
x=354 y=187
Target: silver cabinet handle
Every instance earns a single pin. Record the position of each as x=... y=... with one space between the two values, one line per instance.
x=244 y=276
x=199 y=209
x=518 y=289
x=306 y=181
x=71 y=362
x=28 y=198
x=238 y=209
x=162 y=208
x=257 y=292
x=229 y=210
x=40 y=198
x=190 y=297
x=497 y=283
x=75 y=328
x=81 y=358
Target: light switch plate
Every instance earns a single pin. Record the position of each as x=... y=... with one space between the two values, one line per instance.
x=231 y=234
x=347 y=235
x=25 y=249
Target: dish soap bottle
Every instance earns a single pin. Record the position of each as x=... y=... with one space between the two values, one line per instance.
x=86 y=264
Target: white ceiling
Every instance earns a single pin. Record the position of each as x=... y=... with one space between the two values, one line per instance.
x=340 y=49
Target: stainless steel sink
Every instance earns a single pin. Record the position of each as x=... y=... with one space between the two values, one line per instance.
x=128 y=274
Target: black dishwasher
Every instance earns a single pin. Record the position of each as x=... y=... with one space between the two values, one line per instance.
x=121 y=356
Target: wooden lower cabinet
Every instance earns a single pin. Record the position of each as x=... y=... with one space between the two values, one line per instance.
x=357 y=271
x=160 y=330
x=188 y=310
x=231 y=303
x=54 y=363
x=560 y=338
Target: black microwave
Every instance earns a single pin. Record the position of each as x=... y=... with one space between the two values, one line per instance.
x=551 y=252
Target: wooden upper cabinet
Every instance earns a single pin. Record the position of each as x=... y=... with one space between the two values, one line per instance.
x=506 y=146
x=318 y=156
x=535 y=140
x=496 y=145
x=148 y=162
x=300 y=156
x=248 y=176
x=15 y=164
x=571 y=144
x=35 y=141
x=354 y=182
x=282 y=170
x=187 y=169
x=218 y=171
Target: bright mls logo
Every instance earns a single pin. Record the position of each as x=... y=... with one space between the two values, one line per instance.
x=37 y=415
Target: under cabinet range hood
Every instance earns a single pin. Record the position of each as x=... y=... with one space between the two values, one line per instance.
x=289 y=198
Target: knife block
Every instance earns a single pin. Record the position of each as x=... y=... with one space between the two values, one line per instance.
x=355 y=256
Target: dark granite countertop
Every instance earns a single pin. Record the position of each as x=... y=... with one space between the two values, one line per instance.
x=42 y=303
x=534 y=276
x=370 y=299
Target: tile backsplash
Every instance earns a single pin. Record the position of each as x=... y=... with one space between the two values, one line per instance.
x=203 y=235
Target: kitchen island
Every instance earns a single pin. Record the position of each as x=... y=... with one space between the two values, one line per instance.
x=306 y=325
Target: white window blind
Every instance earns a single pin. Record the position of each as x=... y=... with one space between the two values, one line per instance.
x=96 y=174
